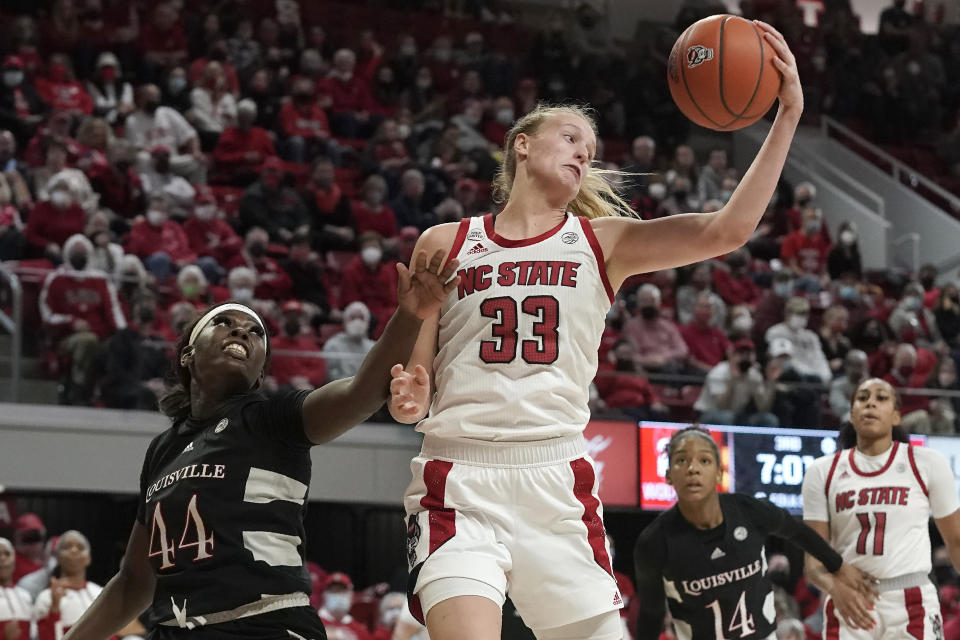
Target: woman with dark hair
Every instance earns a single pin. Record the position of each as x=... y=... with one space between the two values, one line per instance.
x=70 y=593
x=708 y=535
x=223 y=491
x=871 y=500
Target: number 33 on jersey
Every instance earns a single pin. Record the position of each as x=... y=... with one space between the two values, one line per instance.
x=519 y=338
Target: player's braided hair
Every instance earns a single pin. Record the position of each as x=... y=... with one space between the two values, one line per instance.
x=175 y=401
x=847 y=435
x=693 y=430
x=597 y=198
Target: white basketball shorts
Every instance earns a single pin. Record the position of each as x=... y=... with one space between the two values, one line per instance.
x=904 y=614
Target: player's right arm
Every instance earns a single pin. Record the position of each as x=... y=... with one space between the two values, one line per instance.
x=125 y=597
x=648 y=555
x=412 y=386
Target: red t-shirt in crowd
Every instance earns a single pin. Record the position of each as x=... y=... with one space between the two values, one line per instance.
x=810 y=252
x=48 y=224
x=214 y=238
x=350 y=95
x=169 y=238
x=309 y=123
x=706 y=344
x=742 y=290
x=623 y=389
x=273 y=282
x=376 y=288
x=283 y=367
x=383 y=221
x=68 y=295
x=234 y=145
x=67 y=95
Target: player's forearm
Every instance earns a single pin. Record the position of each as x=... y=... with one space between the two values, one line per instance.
x=817 y=574
x=123 y=599
x=395 y=345
x=746 y=206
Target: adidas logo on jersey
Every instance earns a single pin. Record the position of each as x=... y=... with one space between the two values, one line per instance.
x=617 y=600
x=189 y=447
x=845 y=474
x=717 y=553
x=477 y=248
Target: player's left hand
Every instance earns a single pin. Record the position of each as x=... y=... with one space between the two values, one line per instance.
x=791 y=93
x=423 y=287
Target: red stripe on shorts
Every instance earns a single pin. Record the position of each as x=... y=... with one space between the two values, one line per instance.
x=443 y=523
x=832 y=630
x=583 y=481
x=913 y=598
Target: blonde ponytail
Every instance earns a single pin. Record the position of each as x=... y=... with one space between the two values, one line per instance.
x=597 y=198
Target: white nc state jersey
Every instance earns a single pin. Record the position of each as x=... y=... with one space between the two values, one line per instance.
x=878 y=507
x=519 y=337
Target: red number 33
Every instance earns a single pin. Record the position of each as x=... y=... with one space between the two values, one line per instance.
x=543 y=349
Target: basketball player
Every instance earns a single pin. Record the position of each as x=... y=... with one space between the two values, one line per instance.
x=503 y=490
x=872 y=501
x=705 y=556
x=16 y=604
x=217 y=549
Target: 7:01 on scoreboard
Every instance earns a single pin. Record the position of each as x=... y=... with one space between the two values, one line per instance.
x=787 y=470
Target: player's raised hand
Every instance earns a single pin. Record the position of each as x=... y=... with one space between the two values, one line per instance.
x=409 y=393
x=851 y=599
x=424 y=286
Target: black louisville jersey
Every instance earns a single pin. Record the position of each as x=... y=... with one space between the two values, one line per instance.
x=714 y=580
x=223 y=500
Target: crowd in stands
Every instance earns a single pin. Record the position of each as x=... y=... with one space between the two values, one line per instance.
x=158 y=159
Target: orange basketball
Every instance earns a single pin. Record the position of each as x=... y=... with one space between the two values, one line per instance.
x=721 y=73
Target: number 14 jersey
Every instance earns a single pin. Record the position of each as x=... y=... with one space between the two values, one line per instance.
x=878 y=507
x=519 y=337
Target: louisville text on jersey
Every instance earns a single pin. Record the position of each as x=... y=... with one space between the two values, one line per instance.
x=872 y=495
x=523 y=273
x=213 y=471
x=696 y=587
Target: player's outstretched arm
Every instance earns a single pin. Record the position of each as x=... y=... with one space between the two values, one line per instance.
x=410 y=389
x=124 y=598
x=639 y=246
x=336 y=407
x=850 y=589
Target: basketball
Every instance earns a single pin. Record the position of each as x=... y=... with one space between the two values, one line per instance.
x=721 y=73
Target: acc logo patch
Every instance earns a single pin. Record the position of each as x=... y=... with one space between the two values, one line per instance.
x=697 y=55
x=569 y=237
x=740 y=533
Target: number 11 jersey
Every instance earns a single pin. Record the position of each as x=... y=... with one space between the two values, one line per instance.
x=878 y=507
x=519 y=337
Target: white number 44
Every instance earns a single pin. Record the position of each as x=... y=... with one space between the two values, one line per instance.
x=167 y=550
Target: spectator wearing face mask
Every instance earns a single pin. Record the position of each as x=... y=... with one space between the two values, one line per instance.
x=307 y=273
x=469 y=122
x=740 y=323
x=910 y=314
x=51 y=222
x=176 y=90
x=697 y=285
x=368 y=279
x=159 y=179
x=370 y=213
x=345 y=351
x=337 y=601
x=106 y=253
x=273 y=283
x=55 y=172
x=118 y=183
x=273 y=206
x=159 y=241
x=808 y=358
x=710 y=181
x=295 y=360
x=330 y=209
x=79 y=308
x=162 y=40
x=112 y=96
x=217 y=53
x=733 y=284
x=658 y=341
x=16 y=611
x=21 y=108
x=735 y=391
x=153 y=125
x=61 y=90
x=708 y=345
x=135 y=360
x=411 y=206
x=769 y=310
x=855 y=370
x=623 y=387
x=804 y=197
x=495 y=129
x=805 y=252
x=133 y=282
x=902 y=376
x=193 y=287
x=944 y=409
x=391 y=608
x=241 y=149
x=208 y=233
x=29 y=538
x=213 y=107
x=844 y=257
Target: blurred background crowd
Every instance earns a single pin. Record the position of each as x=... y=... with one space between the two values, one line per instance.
x=156 y=157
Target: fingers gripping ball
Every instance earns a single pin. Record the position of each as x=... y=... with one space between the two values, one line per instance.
x=721 y=73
